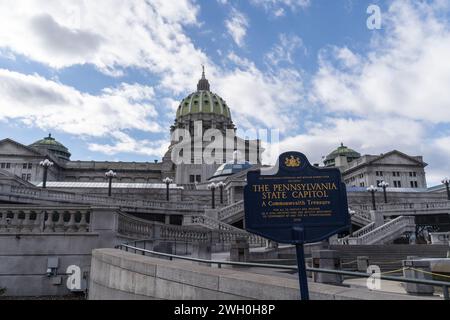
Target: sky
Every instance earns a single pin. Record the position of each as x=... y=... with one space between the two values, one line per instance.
x=105 y=77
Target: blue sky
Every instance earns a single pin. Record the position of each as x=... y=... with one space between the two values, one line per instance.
x=105 y=77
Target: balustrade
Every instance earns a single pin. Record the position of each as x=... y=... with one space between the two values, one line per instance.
x=44 y=220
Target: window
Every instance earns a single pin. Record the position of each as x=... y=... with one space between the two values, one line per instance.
x=30 y=166
x=192 y=178
x=396 y=174
x=25 y=165
x=198 y=179
x=3 y=166
x=24 y=177
x=413 y=174
x=28 y=177
x=414 y=184
x=397 y=184
x=362 y=184
x=379 y=173
x=8 y=166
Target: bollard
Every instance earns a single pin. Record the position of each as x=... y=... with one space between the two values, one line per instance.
x=327 y=259
x=362 y=263
x=413 y=288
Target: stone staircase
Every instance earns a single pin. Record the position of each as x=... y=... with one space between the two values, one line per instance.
x=235 y=212
x=227 y=233
x=384 y=234
x=232 y=213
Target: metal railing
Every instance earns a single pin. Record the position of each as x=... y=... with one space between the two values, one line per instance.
x=444 y=285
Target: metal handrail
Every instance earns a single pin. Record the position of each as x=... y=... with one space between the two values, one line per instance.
x=445 y=285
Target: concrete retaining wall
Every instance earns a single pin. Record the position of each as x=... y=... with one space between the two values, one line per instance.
x=119 y=275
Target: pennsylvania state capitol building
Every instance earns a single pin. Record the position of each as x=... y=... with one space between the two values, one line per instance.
x=56 y=213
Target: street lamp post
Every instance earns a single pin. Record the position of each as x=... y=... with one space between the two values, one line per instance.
x=221 y=185
x=110 y=175
x=168 y=182
x=46 y=164
x=213 y=187
x=446 y=181
x=372 y=190
x=384 y=185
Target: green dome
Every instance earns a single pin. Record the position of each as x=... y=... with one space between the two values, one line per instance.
x=342 y=151
x=203 y=101
x=50 y=144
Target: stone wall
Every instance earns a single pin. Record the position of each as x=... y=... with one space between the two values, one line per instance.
x=24 y=254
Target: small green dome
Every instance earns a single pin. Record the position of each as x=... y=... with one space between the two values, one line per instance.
x=50 y=144
x=339 y=152
x=203 y=101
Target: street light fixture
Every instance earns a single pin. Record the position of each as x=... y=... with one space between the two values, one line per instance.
x=110 y=175
x=46 y=164
x=221 y=186
x=446 y=181
x=168 y=182
x=372 y=190
x=384 y=185
x=213 y=187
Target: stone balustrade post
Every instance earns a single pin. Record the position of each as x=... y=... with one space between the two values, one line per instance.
x=327 y=259
x=38 y=225
x=377 y=217
x=212 y=213
x=59 y=225
x=28 y=223
x=240 y=250
x=362 y=263
x=408 y=272
x=71 y=224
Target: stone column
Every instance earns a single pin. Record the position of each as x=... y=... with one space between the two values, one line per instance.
x=421 y=265
x=327 y=259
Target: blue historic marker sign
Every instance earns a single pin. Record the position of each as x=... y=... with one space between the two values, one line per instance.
x=298 y=204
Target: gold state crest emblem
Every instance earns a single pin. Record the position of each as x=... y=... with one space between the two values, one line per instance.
x=292 y=162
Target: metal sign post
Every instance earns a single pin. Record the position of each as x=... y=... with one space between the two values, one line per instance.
x=297 y=204
x=302 y=278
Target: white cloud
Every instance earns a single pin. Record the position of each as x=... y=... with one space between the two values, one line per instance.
x=127 y=144
x=367 y=136
x=271 y=99
x=110 y=34
x=404 y=75
x=277 y=7
x=285 y=49
x=47 y=104
x=114 y=35
x=402 y=78
x=237 y=25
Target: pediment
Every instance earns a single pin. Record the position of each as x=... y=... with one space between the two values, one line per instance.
x=397 y=158
x=11 y=147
